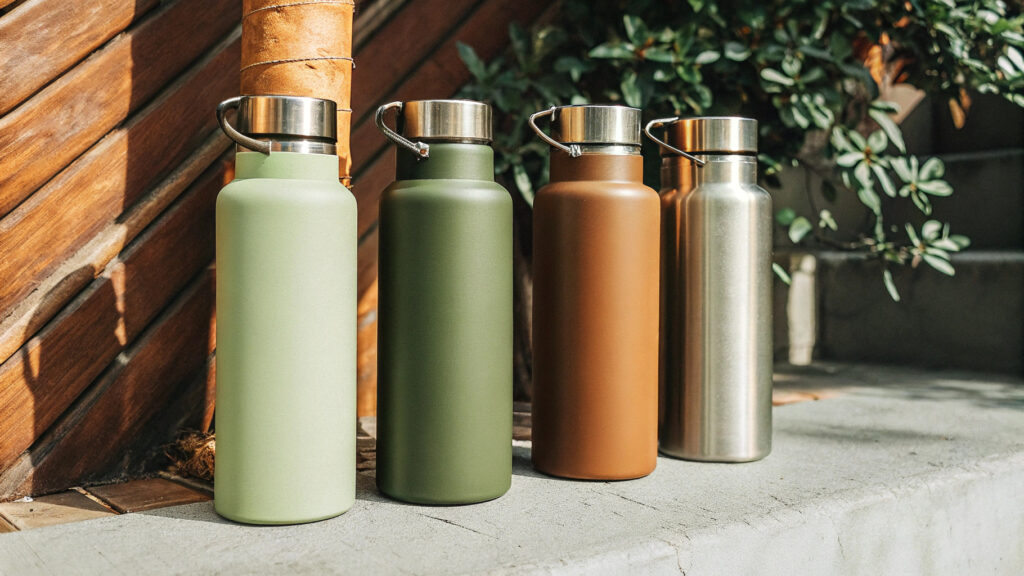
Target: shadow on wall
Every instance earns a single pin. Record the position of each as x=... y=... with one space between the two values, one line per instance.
x=121 y=315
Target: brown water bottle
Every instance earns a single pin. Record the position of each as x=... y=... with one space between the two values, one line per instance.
x=595 y=300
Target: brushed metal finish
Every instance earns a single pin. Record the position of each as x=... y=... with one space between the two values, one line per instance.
x=447 y=120
x=718 y=407
x=596 y=124
x=281 y=124
x=711 y=134
x=288 y=116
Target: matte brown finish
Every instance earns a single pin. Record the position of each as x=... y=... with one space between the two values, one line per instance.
x=595 y=319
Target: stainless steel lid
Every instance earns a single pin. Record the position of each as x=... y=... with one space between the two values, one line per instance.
x=436 y=121
x=447 y=120
x=268 y=123
x=596 y=124
x=721 y=134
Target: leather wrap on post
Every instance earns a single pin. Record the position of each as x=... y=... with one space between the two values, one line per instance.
x=301 y=48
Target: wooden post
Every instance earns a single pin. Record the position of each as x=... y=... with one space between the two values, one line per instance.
x=302 y=48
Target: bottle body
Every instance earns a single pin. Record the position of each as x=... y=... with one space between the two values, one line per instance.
x=676 y=183
x=595 y=319
x=286 y=341
x=444 y=427
x=722 y=412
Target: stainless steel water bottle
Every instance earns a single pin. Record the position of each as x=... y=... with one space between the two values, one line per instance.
x=286 y=317
x=595 y=300
x=717 y=369
x=444 y=396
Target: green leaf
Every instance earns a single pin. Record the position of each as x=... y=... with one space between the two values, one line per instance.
x=799 y=115
x=826 y=220
x=522 y=180
x=877 y=141
x=736 y=52
x=890 y=286
x=631 y=89
x=791 y=66
x=471 y=60
x=781 y=273
x=869 y=198
x=902 y=169
x=935 y=187
x=883 y=178
x=777 y=77
x=613 y=51
x=799 y=229
x=922 y=202
x=636 y=30
x=707 y=57
x=930 y=230
x=912 y=234
x=890 y=128
x=849 y=159
x=960 y=240
x=933 y=168
x=862 y=174
x=940 y=264
x=785 y=216
x=655 y=54
x=946 y=244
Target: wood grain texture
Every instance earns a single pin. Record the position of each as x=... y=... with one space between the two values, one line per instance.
x=399 y=46
x=40 y=137
x=146 y=494
x=35 y=310
x=70 y=506
x=51 y=370
x=133 y=408
x=42 y=38
x=108 y=179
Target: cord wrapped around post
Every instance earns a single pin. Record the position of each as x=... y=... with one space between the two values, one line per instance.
x=301 y=48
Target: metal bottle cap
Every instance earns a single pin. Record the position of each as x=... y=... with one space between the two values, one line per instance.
x=437 y=121
x=712 y=134
x=590 y=124
x=282 y=123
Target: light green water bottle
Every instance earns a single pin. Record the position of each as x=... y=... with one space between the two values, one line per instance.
x=286 y=317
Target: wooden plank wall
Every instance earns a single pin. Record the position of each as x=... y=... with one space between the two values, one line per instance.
x=110 y=161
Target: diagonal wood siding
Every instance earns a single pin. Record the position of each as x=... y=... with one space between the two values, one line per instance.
x=110 y=161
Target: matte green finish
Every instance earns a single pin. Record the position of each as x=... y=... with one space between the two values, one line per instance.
x=286 y=341
x=444 y=391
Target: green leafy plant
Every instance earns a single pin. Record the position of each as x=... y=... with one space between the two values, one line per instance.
x=808 y=70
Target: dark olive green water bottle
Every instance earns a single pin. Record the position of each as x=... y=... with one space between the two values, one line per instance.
x=444 y=396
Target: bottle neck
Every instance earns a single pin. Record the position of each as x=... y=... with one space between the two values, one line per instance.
x=447 y=160
x=604 y=167
x=730 y=168
x=288 y=165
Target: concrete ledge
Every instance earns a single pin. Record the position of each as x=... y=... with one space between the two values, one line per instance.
x=902 y=471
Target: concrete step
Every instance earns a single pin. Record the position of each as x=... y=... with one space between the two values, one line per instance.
x=897 y=472
x=838 y=309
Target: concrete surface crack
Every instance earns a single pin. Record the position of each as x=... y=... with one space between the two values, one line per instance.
x=456 y=524
x=636 y=501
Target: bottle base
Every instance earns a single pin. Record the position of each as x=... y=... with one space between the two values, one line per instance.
x=266 y=521
x=720 y=458
x=596 y=476
x=441 y=501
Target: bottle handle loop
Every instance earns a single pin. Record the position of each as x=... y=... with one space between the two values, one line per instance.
x=658 y=122
x=572 y=150
x=419 y=148
x=239 y=138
